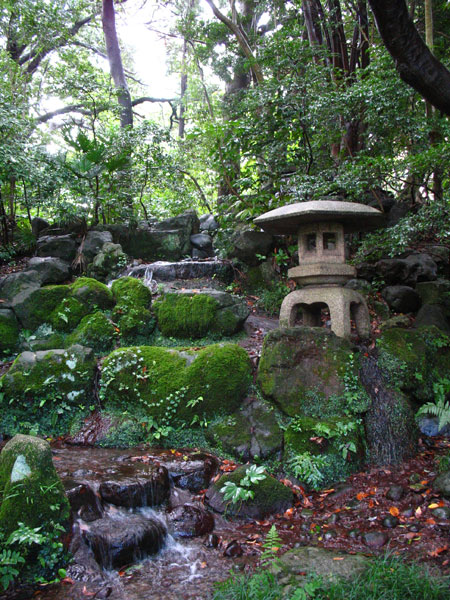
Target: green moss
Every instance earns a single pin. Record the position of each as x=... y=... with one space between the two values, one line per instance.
x=221 y=376
x=181 y=315
x=141 y=379
x=41 y=303
x=95 y=331
x=66 y=316
x=43 y=391
x=130 y=293
x=92 y=294
x=336 y=440
x=136 y=325
x=9 y=331
x=36 y=497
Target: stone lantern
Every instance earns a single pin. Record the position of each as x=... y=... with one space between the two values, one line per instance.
x=322 y=271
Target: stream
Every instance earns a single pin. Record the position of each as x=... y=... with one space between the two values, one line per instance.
x=140 y=528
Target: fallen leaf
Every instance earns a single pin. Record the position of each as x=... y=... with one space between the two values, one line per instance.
x=438 y=551
x=68 y=580
x=430 y=522
x=394 y=511
x=289 y=513
x=433 y=505
x=203 y=565
x=418 y=512
x=338 y=558
x=361 y=495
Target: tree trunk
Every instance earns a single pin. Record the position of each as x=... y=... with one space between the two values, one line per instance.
x=415 y=63
x=115 y=63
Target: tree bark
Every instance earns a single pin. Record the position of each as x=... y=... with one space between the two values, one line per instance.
x=115 y=63
x=416 y=65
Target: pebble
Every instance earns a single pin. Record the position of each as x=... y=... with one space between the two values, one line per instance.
x=375 y=539
x=330 y=535
x=390 y=522
x=395 y=493
x=354 y=533
x=212 y=541
x=233 y=549
x=408 y=512
x=442 y=512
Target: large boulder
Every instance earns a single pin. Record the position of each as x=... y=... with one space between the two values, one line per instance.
x=94 y=242
x=95 y=331
x=407 y=271
x=435 y=292
x=92 y=293
x=432 y=314
x=194 y=314
x=302 y=371
x=248 y=244
x=201 y=245
x=270 y=496
x=46 y=389
x=50 y=269
x=16 y=287
x=401 y=298
x=30 y=489
x=60 y=246
x=208 y=223
x=108 y=263
x=38 y=224
x=130 y=293
x=9 y=330
x=159 y=382
x=34 y=306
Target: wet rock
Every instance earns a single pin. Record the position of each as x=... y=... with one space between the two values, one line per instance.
x=190 y=269
x=233 y=549
x=195 y=474
x=247 y=244
x=390 y=522
x=208 y=223
x=203 y=242
x=148 y=486
x=61 y=246
x=430 y=426
x=190 y=521
x=395 y=493
x=124 y=539
x=442 y=484
x=212 y=540
x=94 y=242
x=408 y=512
x=435 y=292
x=401 y=298
x=375 y=539
x=432 y=314
x=442 y=512
x=408 y=271
x=83 y=501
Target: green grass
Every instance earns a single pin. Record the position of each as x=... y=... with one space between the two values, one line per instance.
x=385 y=579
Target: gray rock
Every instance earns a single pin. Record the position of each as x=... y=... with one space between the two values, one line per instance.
x=247 y=244
x=201 y=254
x=408 y=271
x=208 y=223
x=190 y=521
x=94 y=243
x=401 y=298
x=61 y=246
x=108 y=263
x=202 y=241
x=395 y=493
x=430 y=426
x=442 y=484
x=144 y=485
x=187 y=221
x=435 y=292
x=375 y=539
x=50 y=269
x=192 y=269
x=441 y=512
x=432 y=314
x=38 y=224
x=360 y=285
x=17 y=286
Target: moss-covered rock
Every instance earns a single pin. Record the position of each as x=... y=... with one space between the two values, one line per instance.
x=108 y=263
x=252 y=432
x=270 y=496
x=38 y=306
x=135 y=326
x=66 y=316
x=303 y=371
x=45 y=391
x=92 y=293
x=190 y=314
x=30 y=489
x=95 y=331
x=159 y=382
x=220 y=374
x=333 y=449
x=9 y=330
x=141 y=379
x=130 y=293
x=414 y=360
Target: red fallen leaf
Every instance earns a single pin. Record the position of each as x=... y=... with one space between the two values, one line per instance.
x=216 y=478
x=424 y=482
x=122 y=573
x=410 y=535
x=430 y=522
x=289 y=513
x=445 y=563
x=371 y=503
x=435 y=553
x=338 y=558
x=418 y=511
x=86 y=593
x=57 y=458
x=361 y=495
x=394 y=511
x=68 y=580
x=263 y=523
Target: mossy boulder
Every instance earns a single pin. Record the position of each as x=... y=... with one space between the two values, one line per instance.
x=130 y=293
x=38 y=306
x=221 y=375
x=45 y=391
x=412 y=361
x=189 y=314
x=302 y=371
x=30 y=489
x=66 y=316
x=333 y=447
x=108 y=263
x=248 y=433
x=159 y=382
x=270 y=496
x=9 y=330
x=92 y=293
x=95 y=331
x=135 y=326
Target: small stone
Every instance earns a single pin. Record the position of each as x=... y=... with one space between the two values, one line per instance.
x=212 y=541
x=330 y=535
x=354 y=533
x=233 y=549
x=395 y=493
x=408 y=512
x=307 y=512
x=375 y=539
x=414 y=527
x=390 y=522
x=442 y=512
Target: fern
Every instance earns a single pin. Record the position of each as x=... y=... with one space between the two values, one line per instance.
x=271 y=545
x=440 y=409
x=308 y=468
